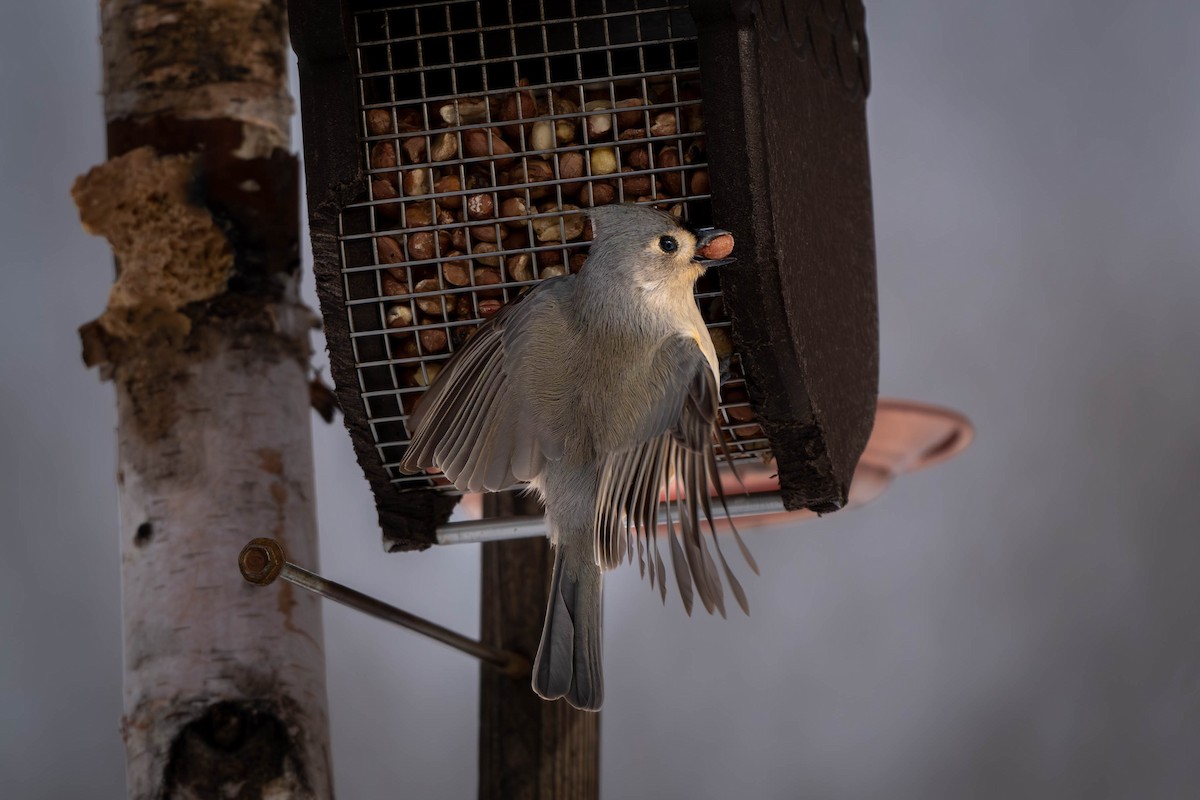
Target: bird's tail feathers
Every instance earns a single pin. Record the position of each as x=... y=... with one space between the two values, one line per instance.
x=568 y=658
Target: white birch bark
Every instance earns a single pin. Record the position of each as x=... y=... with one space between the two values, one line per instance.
x=236 y=464
x=206 y=342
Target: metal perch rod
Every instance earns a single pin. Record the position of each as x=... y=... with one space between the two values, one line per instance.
x=493 y=530
x=263 y=560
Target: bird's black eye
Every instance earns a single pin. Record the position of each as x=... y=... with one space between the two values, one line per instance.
x=668 y=244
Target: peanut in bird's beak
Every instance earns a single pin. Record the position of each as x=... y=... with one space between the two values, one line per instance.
x=713 y=247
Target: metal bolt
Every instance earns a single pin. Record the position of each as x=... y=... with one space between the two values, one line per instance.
x=263 y=560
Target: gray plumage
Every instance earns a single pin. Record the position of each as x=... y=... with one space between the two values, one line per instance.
x=599 y=390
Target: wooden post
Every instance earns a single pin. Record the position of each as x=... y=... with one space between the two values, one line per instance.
x=528 y=749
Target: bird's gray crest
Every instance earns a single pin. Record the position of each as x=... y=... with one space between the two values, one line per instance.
x=629 y=217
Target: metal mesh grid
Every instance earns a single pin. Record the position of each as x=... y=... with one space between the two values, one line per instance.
x=487 y=128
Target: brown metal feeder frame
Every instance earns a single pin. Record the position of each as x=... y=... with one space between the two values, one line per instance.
x=762 y=101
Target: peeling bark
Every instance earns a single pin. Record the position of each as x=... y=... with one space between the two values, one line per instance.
x=206 y=342
x=199 y=59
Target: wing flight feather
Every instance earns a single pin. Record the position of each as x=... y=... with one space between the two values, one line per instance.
x=672 y=452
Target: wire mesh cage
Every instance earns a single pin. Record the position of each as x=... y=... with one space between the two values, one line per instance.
x=487 y=130
x=458 y=147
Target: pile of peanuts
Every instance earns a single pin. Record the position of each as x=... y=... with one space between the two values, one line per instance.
x=486 y=194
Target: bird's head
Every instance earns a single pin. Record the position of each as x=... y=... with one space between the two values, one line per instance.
x=651 y=249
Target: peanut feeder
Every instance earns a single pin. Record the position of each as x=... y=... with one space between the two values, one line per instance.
x=453 y=148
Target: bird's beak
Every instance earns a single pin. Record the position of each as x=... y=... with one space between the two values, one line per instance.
x=713 y=247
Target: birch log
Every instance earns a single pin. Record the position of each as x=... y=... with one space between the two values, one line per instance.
x=206 y=342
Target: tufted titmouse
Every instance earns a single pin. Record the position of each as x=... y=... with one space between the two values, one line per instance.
x=599 y=390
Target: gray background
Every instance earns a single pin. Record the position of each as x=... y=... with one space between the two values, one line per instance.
x=1021 y=622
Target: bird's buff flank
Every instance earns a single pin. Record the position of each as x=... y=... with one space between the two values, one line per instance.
x=600 y=391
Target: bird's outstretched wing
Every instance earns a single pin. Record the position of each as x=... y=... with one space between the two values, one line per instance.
x=673 y=451
x=471 y=424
